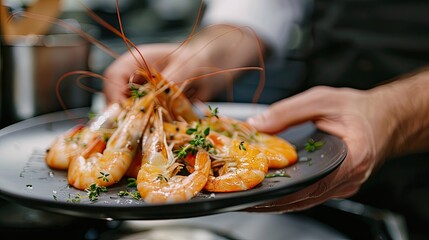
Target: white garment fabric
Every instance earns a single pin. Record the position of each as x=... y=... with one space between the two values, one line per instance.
x=272 y=20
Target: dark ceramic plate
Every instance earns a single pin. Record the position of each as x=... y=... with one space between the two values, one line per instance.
x=26 y=179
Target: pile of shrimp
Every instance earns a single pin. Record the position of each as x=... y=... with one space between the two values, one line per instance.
x=157 y=137
x=174 y=153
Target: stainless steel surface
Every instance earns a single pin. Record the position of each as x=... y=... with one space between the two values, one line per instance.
x=32 y=65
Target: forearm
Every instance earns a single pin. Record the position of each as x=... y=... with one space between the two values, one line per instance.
x=405 y=104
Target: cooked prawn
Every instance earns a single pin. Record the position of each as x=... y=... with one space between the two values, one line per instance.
x=280 y=153
x=157 y=180
x=70 y=144
x=105 y=167
x=244 y=166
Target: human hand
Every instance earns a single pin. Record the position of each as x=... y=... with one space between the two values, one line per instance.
x=193 y=63
x=354 y=116
x=118 y=73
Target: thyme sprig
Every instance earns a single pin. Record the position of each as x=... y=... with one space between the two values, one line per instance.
x=311 y=145
x=133 y=194
x=214 y=112
x=131 y=182
x=104 y=176
x=241 y=146
x=199 y=140
x=75 y=199
x=94 y=191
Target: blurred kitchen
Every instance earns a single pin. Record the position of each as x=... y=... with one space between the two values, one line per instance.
x=34 y=58
x=37 y=52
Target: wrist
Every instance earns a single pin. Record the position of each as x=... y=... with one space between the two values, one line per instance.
x=403 y=114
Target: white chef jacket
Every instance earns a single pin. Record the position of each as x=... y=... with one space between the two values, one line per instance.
x=272 y=20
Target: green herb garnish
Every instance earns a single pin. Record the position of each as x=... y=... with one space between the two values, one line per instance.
x=104 y=176
x=199 y=141
x=311 y=145
x=241 y=146
x=191 y=131
x=75 y=199
x=136 y=92
x=131 y=182
x=94 y=191
x=277 y=174
x=213 y=112
x=134 y=194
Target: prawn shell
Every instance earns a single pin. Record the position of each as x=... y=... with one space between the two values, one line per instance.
x=250 y=170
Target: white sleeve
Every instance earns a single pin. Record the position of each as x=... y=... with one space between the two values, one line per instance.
x=272 y=20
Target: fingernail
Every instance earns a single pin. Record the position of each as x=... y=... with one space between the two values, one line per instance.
x=256 y=120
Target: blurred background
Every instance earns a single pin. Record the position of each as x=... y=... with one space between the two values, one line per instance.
x=33 y=59
x=35 y=53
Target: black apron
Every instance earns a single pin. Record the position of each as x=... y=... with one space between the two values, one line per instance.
x=362 y=43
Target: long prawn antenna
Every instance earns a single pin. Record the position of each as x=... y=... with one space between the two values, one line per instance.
x=188 y=38
x=146 y=66
x=77 y=72
x=143 y=63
